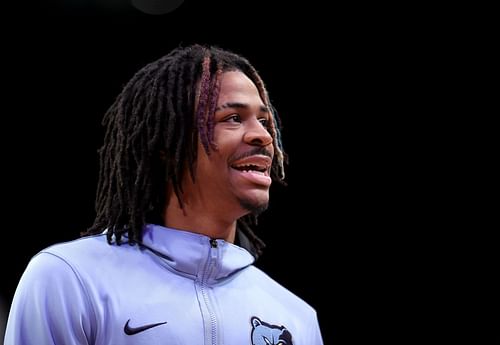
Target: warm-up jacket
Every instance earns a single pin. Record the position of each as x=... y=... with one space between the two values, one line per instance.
x=177 y=288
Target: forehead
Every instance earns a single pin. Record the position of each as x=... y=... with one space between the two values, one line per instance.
x=236 y=86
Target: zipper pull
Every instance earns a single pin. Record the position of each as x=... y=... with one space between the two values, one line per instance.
x=213 y=243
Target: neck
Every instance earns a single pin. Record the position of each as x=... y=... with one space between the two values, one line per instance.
x=200 y=221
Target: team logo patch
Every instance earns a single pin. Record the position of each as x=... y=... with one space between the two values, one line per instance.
x=264 y=333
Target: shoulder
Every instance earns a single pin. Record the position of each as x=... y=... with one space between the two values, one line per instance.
x=76 y=247
x=60 y=260
x=91 y=249
x=279 y=308
x=77 y=259
x=75 y=269
x=54 y=289
x=275 y=290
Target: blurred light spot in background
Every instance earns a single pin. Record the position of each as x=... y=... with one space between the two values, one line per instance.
x=156 y=6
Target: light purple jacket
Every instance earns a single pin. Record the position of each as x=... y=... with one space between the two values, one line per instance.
x=178 y=288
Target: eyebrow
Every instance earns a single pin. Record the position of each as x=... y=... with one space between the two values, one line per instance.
x=263 y=108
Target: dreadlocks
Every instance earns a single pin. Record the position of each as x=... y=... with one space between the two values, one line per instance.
x=152 y=133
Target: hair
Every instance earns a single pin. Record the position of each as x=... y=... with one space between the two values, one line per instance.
x=151 y=136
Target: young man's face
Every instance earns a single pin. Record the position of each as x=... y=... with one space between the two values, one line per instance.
x=234 y=179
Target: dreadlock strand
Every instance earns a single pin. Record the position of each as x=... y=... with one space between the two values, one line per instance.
x=201 y=113
x=212 y=105
x=192 y=151
x=156 y=107
x=179 y=154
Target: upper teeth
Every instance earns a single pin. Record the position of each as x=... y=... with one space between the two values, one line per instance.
x=250 y=167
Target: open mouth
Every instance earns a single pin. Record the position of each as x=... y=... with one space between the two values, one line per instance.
x=251 y=167
x=254 y=168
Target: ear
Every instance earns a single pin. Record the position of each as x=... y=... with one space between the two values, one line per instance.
x=255 y=321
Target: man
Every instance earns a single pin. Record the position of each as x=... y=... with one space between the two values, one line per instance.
x=192 y=144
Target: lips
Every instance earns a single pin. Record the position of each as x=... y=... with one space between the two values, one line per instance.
x=254 y=169
x=258 y=163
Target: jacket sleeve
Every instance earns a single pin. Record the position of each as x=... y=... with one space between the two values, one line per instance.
x=50 y=306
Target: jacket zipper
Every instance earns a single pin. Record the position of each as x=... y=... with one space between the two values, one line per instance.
x=204 y=289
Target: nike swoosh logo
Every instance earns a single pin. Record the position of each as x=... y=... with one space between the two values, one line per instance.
x=134 y=330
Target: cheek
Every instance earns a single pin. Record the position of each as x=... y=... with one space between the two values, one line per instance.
x=209 y=167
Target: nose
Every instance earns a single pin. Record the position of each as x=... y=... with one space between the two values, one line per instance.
x=257 y=134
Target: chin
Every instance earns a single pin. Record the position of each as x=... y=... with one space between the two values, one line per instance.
x=255 y=207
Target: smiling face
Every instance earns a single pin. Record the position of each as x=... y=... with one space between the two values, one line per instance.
x=234 y=179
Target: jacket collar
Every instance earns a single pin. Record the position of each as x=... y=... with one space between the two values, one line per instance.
x=194 y=255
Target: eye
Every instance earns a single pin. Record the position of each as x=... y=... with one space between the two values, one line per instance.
x=264 y=122
x=233 y=118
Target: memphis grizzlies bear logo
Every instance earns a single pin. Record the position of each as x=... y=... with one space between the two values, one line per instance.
x=264 y=333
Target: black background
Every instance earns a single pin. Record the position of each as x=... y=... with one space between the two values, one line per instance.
x=350 y=234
